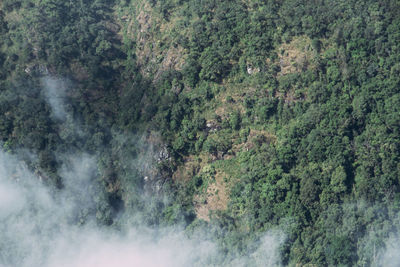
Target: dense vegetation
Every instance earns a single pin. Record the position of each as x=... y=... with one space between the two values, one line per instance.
x=291 y=109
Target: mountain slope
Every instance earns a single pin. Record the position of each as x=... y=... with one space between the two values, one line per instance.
x=255 y=115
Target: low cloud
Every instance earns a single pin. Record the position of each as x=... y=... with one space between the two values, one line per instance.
x=39 y=227
x=391 y=255
x=268 y=253
x=131 y=249
x=55 y=91
x=45 y=227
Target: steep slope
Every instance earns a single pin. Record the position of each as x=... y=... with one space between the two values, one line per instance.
x=249 y=115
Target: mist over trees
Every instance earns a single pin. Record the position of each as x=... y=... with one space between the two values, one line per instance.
x=237 y=119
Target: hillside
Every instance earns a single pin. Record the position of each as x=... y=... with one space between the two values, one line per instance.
x=236 y=118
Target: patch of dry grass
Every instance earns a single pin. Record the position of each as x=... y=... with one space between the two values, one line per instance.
x=215 y=198
x=295 y=56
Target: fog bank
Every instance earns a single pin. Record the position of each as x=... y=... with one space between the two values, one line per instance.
x=41 y=227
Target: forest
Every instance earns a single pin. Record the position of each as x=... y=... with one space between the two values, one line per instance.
x=233 y=118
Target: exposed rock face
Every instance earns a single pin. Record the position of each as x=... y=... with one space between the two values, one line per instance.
x=38 y=69
x=251 y=70
x=163 y=154
x=156 y=154
x=212 y=126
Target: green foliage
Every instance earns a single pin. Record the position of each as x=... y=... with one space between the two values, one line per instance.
x=311 y=144
x=235 y=120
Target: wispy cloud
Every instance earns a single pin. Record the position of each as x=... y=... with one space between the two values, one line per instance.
x=39 y=227
x=55 y=91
